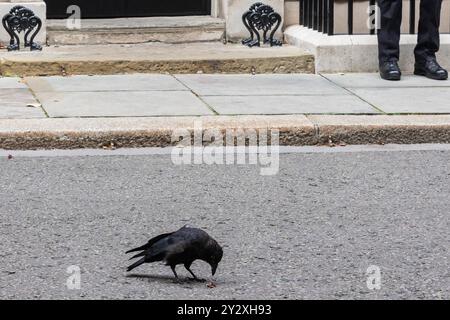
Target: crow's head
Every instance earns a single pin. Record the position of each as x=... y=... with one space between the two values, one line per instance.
x=214 y=255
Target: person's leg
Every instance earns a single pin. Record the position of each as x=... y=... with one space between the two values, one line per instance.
x=428 y=41
x=389 y=33
x=389 y=38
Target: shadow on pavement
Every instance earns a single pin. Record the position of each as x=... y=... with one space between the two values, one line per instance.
x=164 y=279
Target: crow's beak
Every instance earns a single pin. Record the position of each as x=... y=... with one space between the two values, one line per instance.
x=214 y=269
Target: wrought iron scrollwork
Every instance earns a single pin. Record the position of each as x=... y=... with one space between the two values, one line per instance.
x=261 y=17
x=21 y=19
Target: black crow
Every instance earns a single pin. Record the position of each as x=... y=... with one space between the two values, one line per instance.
x=181 y=247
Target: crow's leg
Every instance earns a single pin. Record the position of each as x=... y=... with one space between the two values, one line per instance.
x=188 y=268
x=174 y=272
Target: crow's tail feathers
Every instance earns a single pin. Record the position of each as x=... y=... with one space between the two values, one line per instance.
x=138 y=255
x=136 y=264
x=145 y=247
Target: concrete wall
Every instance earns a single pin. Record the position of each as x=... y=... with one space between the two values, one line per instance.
x=40 y=9
x=355 y=53
x=232 y=11
x=291 y=12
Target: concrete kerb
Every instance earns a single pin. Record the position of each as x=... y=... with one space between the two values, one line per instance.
x=382 y=129
x=295 y=130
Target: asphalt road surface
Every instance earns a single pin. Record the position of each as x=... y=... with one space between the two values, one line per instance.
x=310 y=232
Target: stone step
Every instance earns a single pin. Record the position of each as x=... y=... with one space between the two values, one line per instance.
x=204 y=57
x=137 y=30
x=356 y=53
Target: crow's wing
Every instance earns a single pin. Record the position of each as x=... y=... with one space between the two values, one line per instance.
x=186 y=241
x=150 y=243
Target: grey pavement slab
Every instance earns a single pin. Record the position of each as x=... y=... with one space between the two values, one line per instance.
x=267 y=84
x=141 y=95
x=373 y=80
x=407 y=100
x=122 y=104
x=19 y=104
x=341 y=104
x=137 y=82
x=11 y=83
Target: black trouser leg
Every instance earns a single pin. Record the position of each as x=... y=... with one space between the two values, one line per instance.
x=428 y=40
x=389 y=33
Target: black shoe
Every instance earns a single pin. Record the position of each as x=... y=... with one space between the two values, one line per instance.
x=389 y=70
x=431 y=69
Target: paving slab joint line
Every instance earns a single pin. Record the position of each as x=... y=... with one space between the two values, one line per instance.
x=316 y=128
x=210 y=107
x=41 y=106
x=353 y=94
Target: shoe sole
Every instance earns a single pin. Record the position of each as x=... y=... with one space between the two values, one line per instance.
x=392 y=78
x=429 y=76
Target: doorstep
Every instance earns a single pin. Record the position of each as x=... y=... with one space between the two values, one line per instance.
x=156 y=58
x=184 y=29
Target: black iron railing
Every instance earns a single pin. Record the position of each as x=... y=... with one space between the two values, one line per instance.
x=319 y=15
